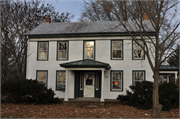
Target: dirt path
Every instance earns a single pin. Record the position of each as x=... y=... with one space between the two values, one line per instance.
x=78 y=110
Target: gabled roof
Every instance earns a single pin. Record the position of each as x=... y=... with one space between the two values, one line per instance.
x=86 y=63
x=168 y=68
x=86 y=28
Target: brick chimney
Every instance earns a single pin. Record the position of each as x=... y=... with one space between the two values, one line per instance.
x=48 y=19
x=145 y=16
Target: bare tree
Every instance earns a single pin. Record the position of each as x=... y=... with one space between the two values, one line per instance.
x=17 y=18
x=93 y=11
x=173 y=60
x=162 y=17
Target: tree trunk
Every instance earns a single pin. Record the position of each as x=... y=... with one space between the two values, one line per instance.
x=156 y=109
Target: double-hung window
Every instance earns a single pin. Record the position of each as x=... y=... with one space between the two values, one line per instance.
x=43 y=50
x=60 y=80
x=89 y=52
x=62 y=50
x=116 y=83
x=138 y=52
x=42 y=76
x=138 y=76
x=117 y=49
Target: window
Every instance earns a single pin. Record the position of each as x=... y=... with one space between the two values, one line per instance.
x=97 y=80
x=42 y=51
x=89 y=50
x=116 y=80
x=117 y=49
x=42 y=76
x=62 y=50
x=89 y=79
x=60 y=80
x=138 y=76
x=138 y=52
x=81 y=81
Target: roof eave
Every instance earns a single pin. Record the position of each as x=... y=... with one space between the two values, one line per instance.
x=85 y=34
x=87 y=66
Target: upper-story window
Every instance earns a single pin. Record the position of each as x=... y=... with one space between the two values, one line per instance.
x=89 y=52
x=62 y=50
x=117 y=49
x=43 y=50
x=138 y=52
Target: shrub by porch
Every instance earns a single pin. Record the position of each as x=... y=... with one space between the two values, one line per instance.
x=141 y=96
x=28 y=91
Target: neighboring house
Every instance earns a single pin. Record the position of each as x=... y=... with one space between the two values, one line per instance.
x=166 y=71
x=86 y=59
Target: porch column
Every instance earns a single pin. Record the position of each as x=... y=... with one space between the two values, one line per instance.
x=167 y=78
x=102 y=86
x=175 y=76
x=66 y=88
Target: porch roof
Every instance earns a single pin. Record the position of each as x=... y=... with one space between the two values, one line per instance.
x=86 y=63
x=168 y=68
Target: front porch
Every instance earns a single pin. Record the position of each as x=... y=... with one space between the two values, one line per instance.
x=88 y=80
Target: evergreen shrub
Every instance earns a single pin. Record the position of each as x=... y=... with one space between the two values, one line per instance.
x=28 y=91
x=169 y=96
x=140 y=96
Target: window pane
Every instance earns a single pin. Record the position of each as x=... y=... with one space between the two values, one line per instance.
x=117 y=45
x=42 y=77
x=116 y=82
x=42 y=55
x=138 y=54
x=89 y=49
x=89 y=79
x=139 y=76
x=89 y=44
x=81 y=81
x=62 y=54
x=97 y=81
x=62 y=45
x=89 y=54
x=116 y=53
x=116 y=85
x=116 y=76
x=42 y=51
x=62 y=50
x=61 y=78
x=136 y=46
x=43 y=46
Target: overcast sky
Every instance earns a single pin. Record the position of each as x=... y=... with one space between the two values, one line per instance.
x=72 y=6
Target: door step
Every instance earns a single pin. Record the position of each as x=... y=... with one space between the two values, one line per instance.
x=84 y=104
x=89 y=105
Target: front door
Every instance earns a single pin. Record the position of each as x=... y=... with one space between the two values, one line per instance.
x=89 y=84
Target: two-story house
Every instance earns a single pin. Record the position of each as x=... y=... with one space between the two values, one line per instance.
x=86 y=59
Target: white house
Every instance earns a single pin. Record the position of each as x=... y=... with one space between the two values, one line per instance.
x=86 y=59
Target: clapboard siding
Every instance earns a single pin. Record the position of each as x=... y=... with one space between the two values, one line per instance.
x=103 y=54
